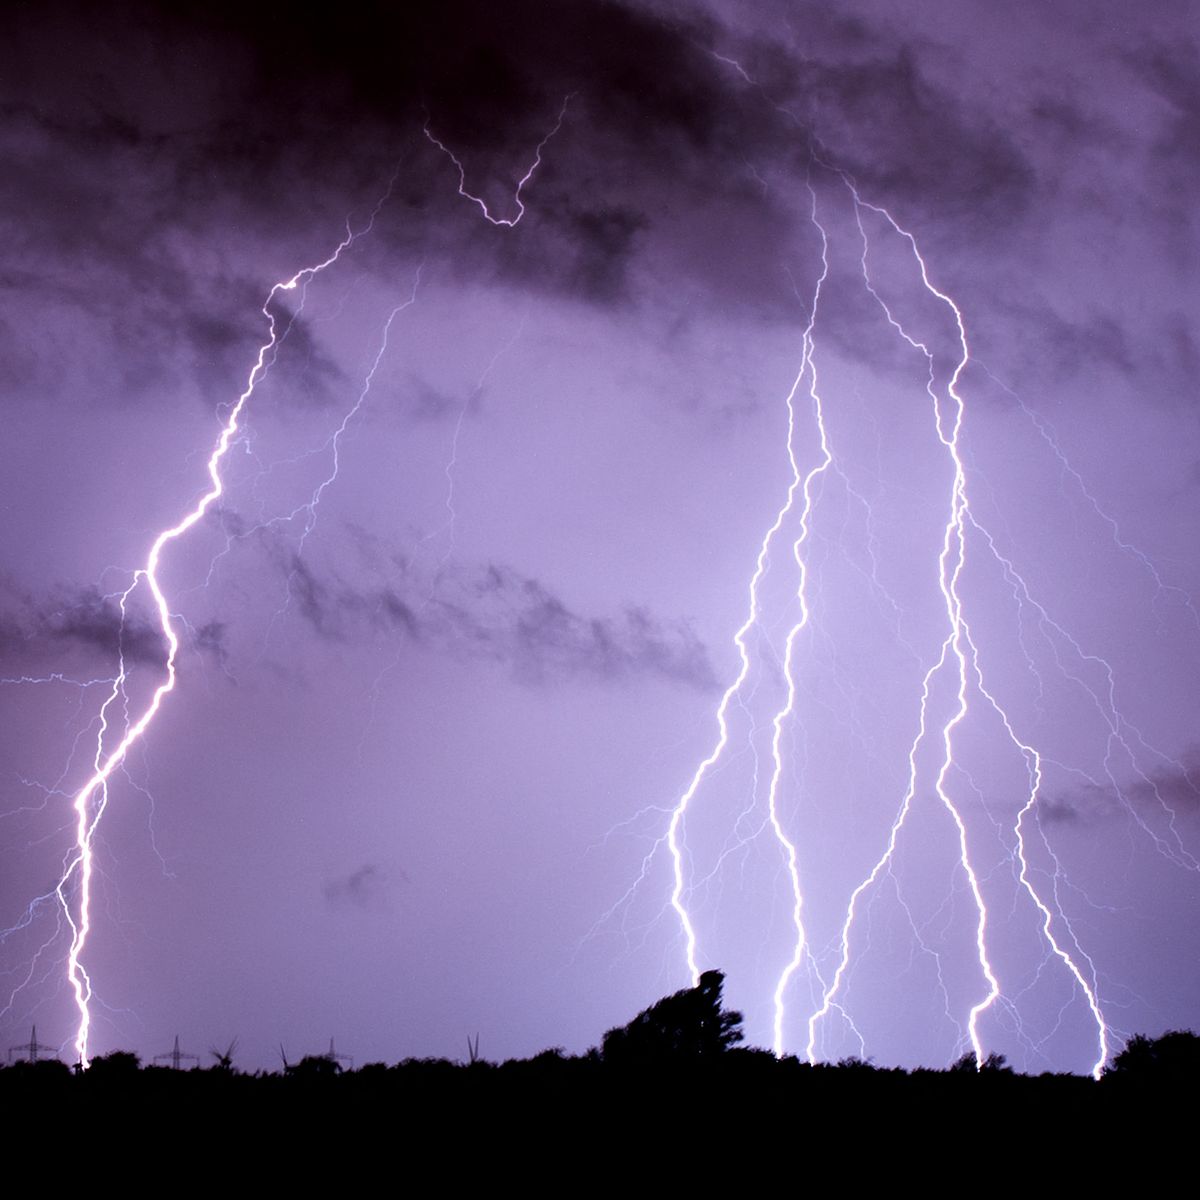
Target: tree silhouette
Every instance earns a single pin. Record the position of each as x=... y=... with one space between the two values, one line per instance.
x=313 y=1066
x=117 y=1067
x=1172 y=1058
x=691 y=1024
x=994 y=1063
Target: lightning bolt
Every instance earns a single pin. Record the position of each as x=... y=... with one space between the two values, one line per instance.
x=506 y=222
x=951 y=562
x=802 y=484
x=333 y=444
x=91 y=800
x=956 y=665
x=960 y=646
x=448 y=526
x=956 y=669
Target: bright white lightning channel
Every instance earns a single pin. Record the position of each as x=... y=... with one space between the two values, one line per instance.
x=90 y=801
x=958 y=659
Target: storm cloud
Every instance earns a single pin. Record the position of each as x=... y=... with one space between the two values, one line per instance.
x=611 y=522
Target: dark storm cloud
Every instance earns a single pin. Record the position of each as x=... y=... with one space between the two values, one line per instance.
x=1069 y=125
x=1180 y=345
x=86 y=620
x=1173 y=788
x=907 y=139
x=421 y=401
x=487 y=76
x=96 y=621
x=21 y=365
x=301 y=370
x=498 y=614
x=590 y=257
x=1060 y=810
x=91 y=621
x=1177 y=786
x=394 y=611
x=218 y=344
x=209 y=639
x=1173 y=71
x=315 y=601
x=364 y=888
x=12 y=638
x=658 y=127
x=527 y=625
x=1160 y=360
x=220 y=118
x=1070 y=347
x=75 y=250
x=862 y=89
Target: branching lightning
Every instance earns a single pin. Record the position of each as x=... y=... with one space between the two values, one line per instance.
x=957 y=669
x=952 y=687
x=117 y=728
x=950 y=566
x=90 y=801
x=506 y=222
x=809 y=367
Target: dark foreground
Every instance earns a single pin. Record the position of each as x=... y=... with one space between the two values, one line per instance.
x=670 y=1099
x=540 y=1117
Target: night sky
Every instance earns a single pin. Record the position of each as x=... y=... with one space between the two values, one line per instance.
x=455 y=636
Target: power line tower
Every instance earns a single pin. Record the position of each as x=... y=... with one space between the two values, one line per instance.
x=29 y=1051
x=175 y=1056
x=343 y=1060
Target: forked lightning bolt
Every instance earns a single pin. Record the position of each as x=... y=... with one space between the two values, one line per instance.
x=808 y=367
x=955 y=665
x=958 y=662
x=961 y=648
x=90 y=801
x=506 y=222
x=801 y=483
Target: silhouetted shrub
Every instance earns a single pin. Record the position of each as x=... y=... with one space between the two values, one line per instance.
x=313 y=1066
x=1172 y=1058
x=118 y=1066
x=995 y=1064
x=688 y=1025
x=44 y=1072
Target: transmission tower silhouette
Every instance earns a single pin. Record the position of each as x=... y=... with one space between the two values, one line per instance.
x=176 y=1056
x=29 y=1051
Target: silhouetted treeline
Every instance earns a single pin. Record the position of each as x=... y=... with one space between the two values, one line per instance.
x=673 y=1084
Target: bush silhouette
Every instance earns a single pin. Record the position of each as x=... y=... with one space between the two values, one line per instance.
x=996 y=1064
x=688 y=1025
x=1174 y=1057
x=313 y=1066
x=121 y=1066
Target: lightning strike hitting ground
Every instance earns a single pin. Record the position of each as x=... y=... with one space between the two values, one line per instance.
x=74 y=888
x=90 y=801
x=901 y=790
x=950 y=566
x=957 y=666
x=806 y=517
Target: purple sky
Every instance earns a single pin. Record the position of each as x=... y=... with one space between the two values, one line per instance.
x=445 y=673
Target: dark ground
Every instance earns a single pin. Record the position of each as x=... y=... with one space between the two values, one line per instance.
x=668 y=1097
